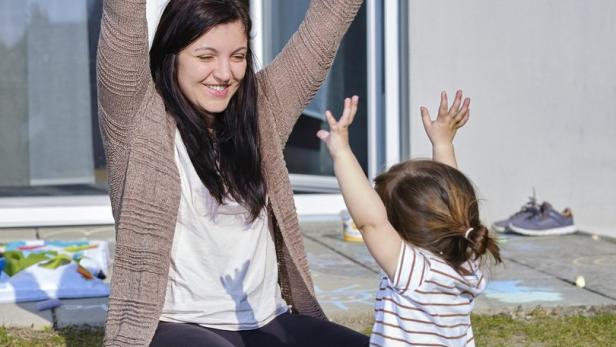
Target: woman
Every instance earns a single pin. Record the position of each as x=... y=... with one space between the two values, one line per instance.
x=209 y=250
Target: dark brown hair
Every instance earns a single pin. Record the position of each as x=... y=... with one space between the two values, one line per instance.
x=228 y=163
x=432 y=205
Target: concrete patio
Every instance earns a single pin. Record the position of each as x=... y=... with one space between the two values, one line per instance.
x=537 y=272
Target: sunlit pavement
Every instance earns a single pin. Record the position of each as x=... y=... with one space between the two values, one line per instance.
x=573 y=273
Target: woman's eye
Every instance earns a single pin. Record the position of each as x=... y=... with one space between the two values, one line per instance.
x=206 y=57
x=239 y=57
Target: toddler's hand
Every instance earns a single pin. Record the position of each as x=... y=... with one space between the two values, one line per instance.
x=442 y=130
x=337 y=138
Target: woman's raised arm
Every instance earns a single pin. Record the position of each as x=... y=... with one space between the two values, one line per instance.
x=122 y=61
x=296 y=74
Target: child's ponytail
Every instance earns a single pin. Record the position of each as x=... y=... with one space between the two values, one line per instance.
x=433 y=206
x=480 y=242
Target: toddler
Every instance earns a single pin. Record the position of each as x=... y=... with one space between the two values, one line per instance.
x=421 y=224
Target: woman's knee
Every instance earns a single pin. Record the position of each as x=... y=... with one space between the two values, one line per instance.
x=184 y=334
x=309 y=331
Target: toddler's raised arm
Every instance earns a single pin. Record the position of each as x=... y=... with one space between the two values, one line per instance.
x=364 y=204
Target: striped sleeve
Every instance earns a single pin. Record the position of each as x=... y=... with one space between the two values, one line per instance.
x=412 y=269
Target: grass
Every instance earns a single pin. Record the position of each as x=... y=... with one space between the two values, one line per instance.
x=537 y=329
x=76 y=337
x=598 y=330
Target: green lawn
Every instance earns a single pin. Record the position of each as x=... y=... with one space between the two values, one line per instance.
x=599 y=330
x=49 y=337
x=537 y=330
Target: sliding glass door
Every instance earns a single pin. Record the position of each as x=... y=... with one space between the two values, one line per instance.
x=307 y=159
x=48 y=123
x=50 y=146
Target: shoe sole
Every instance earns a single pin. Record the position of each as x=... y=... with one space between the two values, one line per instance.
x=570 y=229
x=499 y=229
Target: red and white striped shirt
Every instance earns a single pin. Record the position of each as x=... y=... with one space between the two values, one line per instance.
x=428 y=303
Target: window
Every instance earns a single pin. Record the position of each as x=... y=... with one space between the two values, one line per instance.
x=49 y=138
x=305 y=154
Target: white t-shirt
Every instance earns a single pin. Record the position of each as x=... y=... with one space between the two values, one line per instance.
x=223 y=272
x=428 y=303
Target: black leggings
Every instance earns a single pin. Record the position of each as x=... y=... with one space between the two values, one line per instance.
x=285 y=330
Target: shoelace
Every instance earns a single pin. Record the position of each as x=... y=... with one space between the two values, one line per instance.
x=530 y=206
x=541 y=211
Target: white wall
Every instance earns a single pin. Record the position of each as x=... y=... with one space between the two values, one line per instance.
x=542 y=78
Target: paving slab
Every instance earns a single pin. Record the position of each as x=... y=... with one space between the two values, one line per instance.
x=329 y=234
x=344 y=288
x=16 y=234
x=537 y=271
x=514 y=287
x=82 y=312
x=25 y=315
x=568 y=258
x=106 y=233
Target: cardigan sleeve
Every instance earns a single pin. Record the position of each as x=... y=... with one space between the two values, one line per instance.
x=295 y=75
x=122 y=62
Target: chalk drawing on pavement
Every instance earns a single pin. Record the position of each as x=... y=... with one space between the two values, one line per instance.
x=512 y=292
x=602 y=260
x=347 y=296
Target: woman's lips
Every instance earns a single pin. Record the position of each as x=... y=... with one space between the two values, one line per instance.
x=216 y=91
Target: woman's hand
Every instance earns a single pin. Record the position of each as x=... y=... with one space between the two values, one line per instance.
x=337 y=138
x=442 y=130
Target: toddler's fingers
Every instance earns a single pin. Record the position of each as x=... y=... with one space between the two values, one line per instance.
x=330 y=119
x=463 y=110
x=323 y=135
x=425 y=118
x=443 y=106
x=456 y=103
x=344 y=119
x=464 y=119
x=354 y=104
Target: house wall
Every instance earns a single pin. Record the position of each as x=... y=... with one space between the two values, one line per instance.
x=542 y=78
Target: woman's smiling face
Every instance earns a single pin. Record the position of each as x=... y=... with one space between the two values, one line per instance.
x=211 y=68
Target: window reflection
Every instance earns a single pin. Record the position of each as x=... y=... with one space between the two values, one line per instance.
x=49 y=141
x=305 y=154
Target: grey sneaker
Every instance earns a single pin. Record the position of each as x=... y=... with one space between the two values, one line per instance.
x=547 y=221
x=529 y=209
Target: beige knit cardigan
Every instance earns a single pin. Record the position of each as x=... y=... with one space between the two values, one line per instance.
x=138 y=136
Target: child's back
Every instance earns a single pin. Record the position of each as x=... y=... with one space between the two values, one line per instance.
x=427 y=302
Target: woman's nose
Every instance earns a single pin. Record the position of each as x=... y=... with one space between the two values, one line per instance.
x=223 y=70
